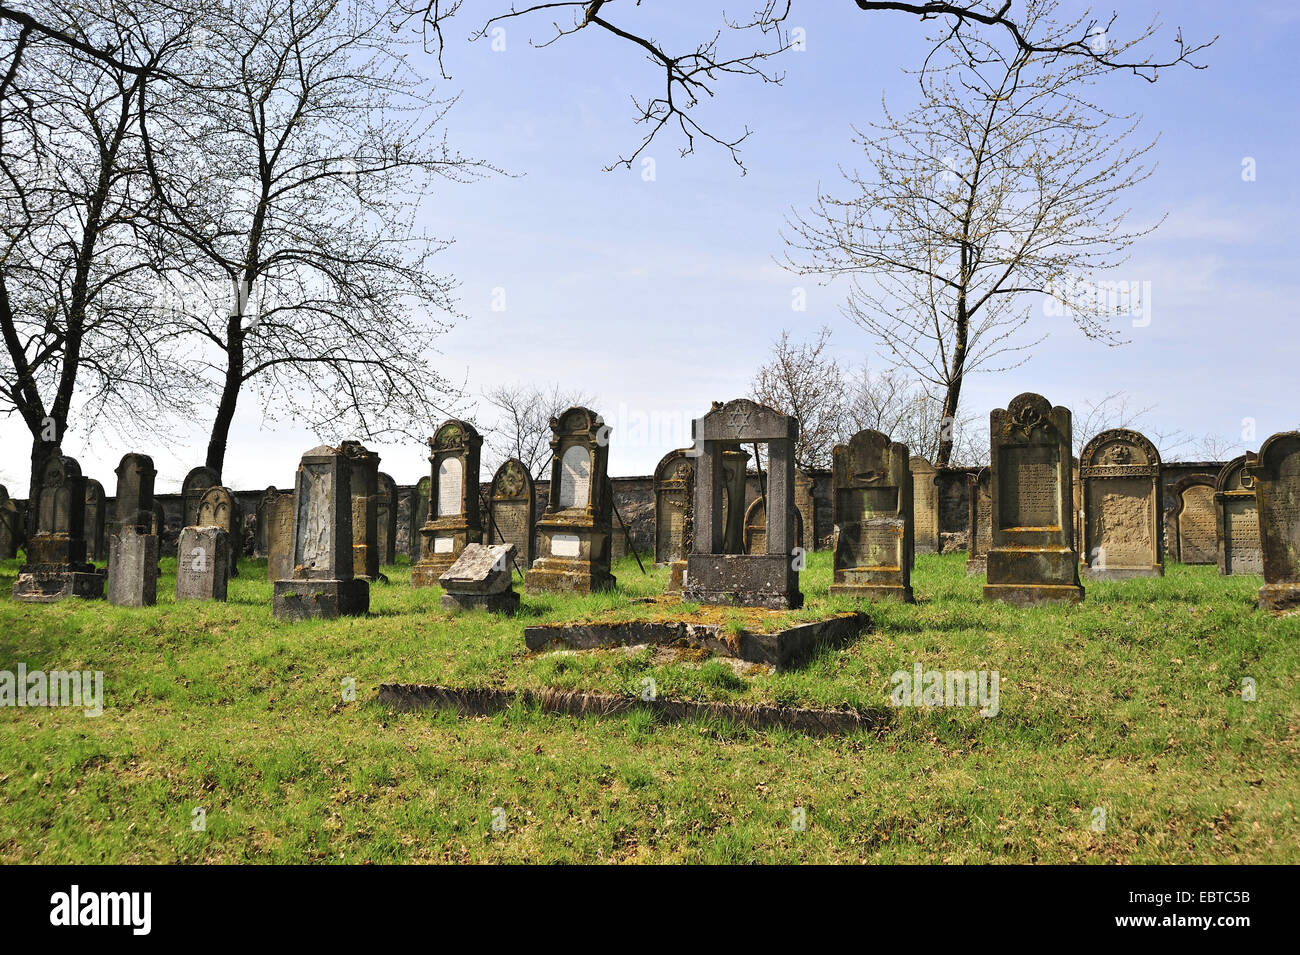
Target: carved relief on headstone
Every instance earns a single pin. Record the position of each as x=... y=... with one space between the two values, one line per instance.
x=1236 y=520
x=925 y=505
x=1031 y=556
x=1276 y=475
x=192 y=489
x=1192 y=532
x=511 y=510
x=1123 y=533
x=219 y=508
x=56 y=555
x=573 y=546
x=454 y=520
x=981 y=535
x=871 y=488
x=96 y=520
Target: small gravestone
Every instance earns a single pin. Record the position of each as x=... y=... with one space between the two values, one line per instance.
x=133 y=546
x=260 y=541
x=925 y=505
x=218 y=507
x=96 y=518
x=1031 y=556
x=10 y=526
x=511 y=517
x=1123 y=533
x=386 y=519
x=419 y=514
x=481 y=579
x=674 y=482
x=454 y=520
x=1192 y=533
x=871 y=501
x=734 y=464
x=574 y=531
x=203 y=562
x=56 y=555
x=192 y=489
x=770 y=579
x=980 y=503
x=279 y=536
x=755 y=540
x=806 y=506
x=1236 y=520
x=1276 y=474
x=365 y=526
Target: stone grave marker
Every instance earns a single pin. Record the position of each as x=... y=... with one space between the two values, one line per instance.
x=96 y=520
x=454 y=519
x=980 y=536
x=674 y=483
x=203 y=563
x=481 y=579
x=1276 y=474
x=925 y=505
x=10 y=526
x=192 y=489
x=735 y=461
x=278 y=518
x=1191 y=520
x=419 y=514
x=756 y=528
x=871 y=488
x=261 y=527
x=56 y=564
x=133 y=547
x=1236 y=520
x=1123 y=532
x=365 y=528
x=511 y=503
x=386 y=519
x=218 y=507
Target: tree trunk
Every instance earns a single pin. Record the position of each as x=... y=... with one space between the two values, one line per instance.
x=229 y=393
x=952 y=395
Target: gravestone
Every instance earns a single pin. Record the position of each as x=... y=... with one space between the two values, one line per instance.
x=454 y=519
x=193 y=488
x=10 y=526
x=1192 y=534
x=1031 y=556
x=806 y=507
x=481 y=579
x=756 y=528
x=386 y=519
x=323 y=553
x=1276 y=475
x=674 y=483
x=278 y=511
x=365 y=526
x=159 y=526
x=511 y=518
x=133 y=546
x=1236 y=520
x=925 y=505
x=203 y=563
x=96 y=517
x=735 y=462
x=573 y=534
x=1121 y=490
x=981 y=535
x=56 y=564
x=419 y=513
x=770 y=579
x=871 y=488
x=218 y=507
x=260 y=540
x=1076 y=483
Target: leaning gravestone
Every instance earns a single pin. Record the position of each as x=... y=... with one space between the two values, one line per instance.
x=96 y=518
x=511 y=518
x=56 y=555
x=770 y=579
x=192 y=490
x=454 y=520
x=871 y=501
x=674 y=483
x=925 y=505
x=218 y=507
x=481 y=579
x=1031 y=555
x=322 y=582
x=386 y=519
x=1236 y=520
x=10 y=533
x=203 y=562
x=981 y=535
x=1276 y=474
x=365 y=529
x=133 y=546
x=574 y=531
x=279 y=536
x=1123 y=532
x=1191 y=520
x=756 y=528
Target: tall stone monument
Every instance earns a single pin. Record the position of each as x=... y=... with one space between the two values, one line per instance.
x=511 y=515
x=365 y=526
x=1123 y=532
x=871 y=488
x=981 y=533
x=573 y=535
x=56 y=555
x=132 y=544
x=1276 y=473
x=925 y=505
x=454 y=519
x=278 y=515
x=323 y=582
x=1192 y=534
x=1236 y=520
x=1031 y=555
x=762 y=580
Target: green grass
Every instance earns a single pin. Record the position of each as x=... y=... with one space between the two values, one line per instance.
x=1130 y=701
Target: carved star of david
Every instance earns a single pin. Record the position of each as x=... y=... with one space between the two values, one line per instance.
x=739 y=418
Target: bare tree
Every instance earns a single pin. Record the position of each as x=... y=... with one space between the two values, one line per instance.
x=522 y=428
x=1003 y=183
x=805 y=380
x=895 y=404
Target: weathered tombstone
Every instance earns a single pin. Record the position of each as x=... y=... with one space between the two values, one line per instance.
x=278 y=513
x=806 y=507
x=1123 y=532
x=1276 y=474
x=1191 y=520
x=1031 y=555
x=573 y=548
x=674 y=483
x=418 y=515
x=770 y=579
x=386 y=519
x=365 y=527
x=10 y=526
x=925 y=505
x=453 y=519
x=981 y=534
x=218 y=507
x=96 y=517
x=481 y=579
x=735 y=463
x=260 y=540
x=1076 y=484
x=322 y=582
x=193 y=488
x=132 y=543
x=203 y=563
x=1236 y=520
x=56 y=564
x=756 y=528
x=871 y=502
x=511 y=519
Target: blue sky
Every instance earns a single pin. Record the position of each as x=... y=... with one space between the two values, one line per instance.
x=660 y=296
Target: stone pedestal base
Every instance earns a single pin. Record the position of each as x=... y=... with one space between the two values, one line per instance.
x=308 y=599
x=1023 y=595
x=745 y=580
x=1033 y=575
x=47 y=586
x=564 y=575
x=506 y=602
x=429 y=568
x=1279 y=596
x=874 y=592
